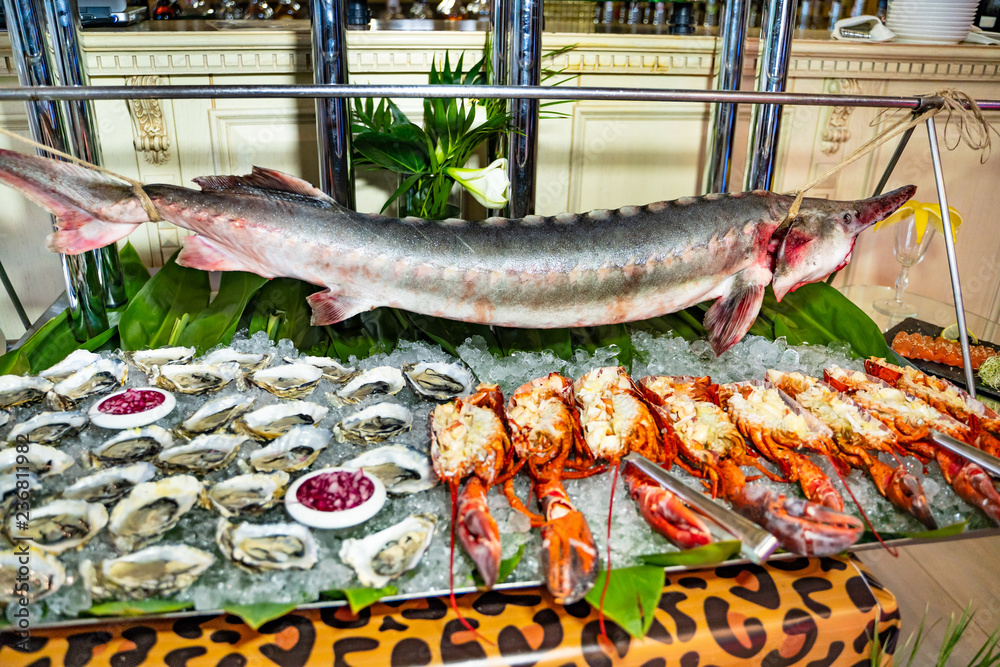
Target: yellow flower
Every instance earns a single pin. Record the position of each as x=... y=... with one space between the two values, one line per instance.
x=922 y=214
x=489 y=185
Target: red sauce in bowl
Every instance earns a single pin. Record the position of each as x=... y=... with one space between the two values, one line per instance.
x=335 y=491
x=131 y=401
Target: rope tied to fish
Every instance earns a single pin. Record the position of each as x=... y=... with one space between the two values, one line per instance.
x=973 y=130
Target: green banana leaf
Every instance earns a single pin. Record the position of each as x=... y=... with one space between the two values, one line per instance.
x=157 y=315
x=359 y=598
x=716 y=552
x=138 y=607
x=280 y=309
x=217 y=323
x=631 y=597
x=259 y=613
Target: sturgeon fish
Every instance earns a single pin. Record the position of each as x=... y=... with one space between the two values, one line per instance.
x=601 y=267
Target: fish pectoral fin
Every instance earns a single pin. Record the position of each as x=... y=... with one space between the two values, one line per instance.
x=200 y=253
x=75 y=235
x=732 y=315
x=330 y=308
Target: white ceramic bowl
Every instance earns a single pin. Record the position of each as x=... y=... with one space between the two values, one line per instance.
x=342 y=519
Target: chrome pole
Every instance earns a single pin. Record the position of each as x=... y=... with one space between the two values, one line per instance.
x=333 y=115
x=525 y=70
x=500 y=31
x=765 y=128
x=732 y=31
x=949 y=245
x=63 y=21
x=47 y=120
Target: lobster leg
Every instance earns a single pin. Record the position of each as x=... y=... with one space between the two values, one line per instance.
x=569 y=553
x=665 y=512
x=901 y=489
x=971 y=483
x=477 y=530
x=800 y=526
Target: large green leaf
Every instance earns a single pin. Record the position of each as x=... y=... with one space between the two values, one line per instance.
x=134 y=272
x=819 y=315
x=449 y=334
x=158 y=313
x=631 y=598
x=217 y=323
x=138 y=607
x=359 y=598
x=716 y=552
x=280 y=309
x=403 y=150
x=14 y=363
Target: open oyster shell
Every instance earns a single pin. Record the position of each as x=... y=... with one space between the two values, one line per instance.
x=58 y=526
x=273 y=546
x=272 y=421
x=147 y=360
x=48 y=427
x=45 y=575
x=195 y=378
x=42 y=460
x=129 y=446
x=400 y=469
x=379 y=380
x=332 y=369
x=216 y=414
x=151 y=509
x=22 y=390
x=288 y=380
x=251 y=493
x=295 y=450
x=109 y=485
x=439 y=381
x=248 y=361
x=71 y=364
x=385 y=555
x=206 y=452
x=159 y=570
x=375 y=423
x=101 y=377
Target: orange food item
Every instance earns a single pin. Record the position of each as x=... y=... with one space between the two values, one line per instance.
x=919 y=346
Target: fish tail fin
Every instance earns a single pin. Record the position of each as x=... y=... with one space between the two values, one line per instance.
x=92 y=209
x=733 y=314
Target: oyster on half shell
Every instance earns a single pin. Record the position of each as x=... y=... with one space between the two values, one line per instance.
x=332 y=369
x=159 y=570
x=22 y=390
x=272 y=546
x=42 y=460
x=401 y=469
x=385 y=555
x=45 y=575
x=379 y=380
x=248 y=361
x=439 y=381
x=48 y=427
x=101 y=377
x=195 y=378
x=147 y=360
x=134 y=444
x=216 y=414
x=71 y=364
x=206 y=452
x=288 y=380
x=251 y=493
x=58 y=526
x=272 y=421
x=375 y=423
x=151 y=509
x=295 y=450
x=109 y=485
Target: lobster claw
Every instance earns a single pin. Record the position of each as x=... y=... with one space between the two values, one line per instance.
x=665 y=512
x=477 y=531
x=569 y=554
x=903 y=490
x=802 y=527
x=971 y=483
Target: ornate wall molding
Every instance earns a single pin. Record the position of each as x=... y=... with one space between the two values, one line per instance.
x=836 y=132
x=150 y=131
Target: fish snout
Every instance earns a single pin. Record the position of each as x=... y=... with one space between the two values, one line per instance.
x=878 y=208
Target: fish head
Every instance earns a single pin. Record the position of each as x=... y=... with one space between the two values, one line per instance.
x=822 y=235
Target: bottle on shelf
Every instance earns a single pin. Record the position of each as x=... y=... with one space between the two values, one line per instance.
x=451 y=10
x=259 y=10
x=393 y=10
x=478 y=9
x=659 y=12
x=291 y=9
x=421 y=10
x=166 y=9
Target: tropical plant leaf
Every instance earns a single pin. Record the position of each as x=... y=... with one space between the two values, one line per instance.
x=507 y=566
x=716 y=552
x=631 y=598
x=134 y=272
x=259 y=613
x=402 y=150
x=280 y=309
x=359 y=598
x=217 y=323
x=168 y=300
x=14 y=363
x=138 y=607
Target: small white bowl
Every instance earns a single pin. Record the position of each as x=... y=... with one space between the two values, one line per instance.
x=342 y=519
x=112 y=421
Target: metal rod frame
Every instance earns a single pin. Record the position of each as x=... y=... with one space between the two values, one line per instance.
x=733 y=32
x=949 y=245
x=333 y=115
x=524 y=69
x=39 y=93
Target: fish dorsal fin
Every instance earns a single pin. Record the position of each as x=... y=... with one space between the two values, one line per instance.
x=263 y=179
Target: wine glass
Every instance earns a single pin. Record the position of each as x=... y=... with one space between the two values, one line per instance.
x=908 y=251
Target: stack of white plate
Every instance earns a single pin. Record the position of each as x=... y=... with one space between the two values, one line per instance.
x=931 y=21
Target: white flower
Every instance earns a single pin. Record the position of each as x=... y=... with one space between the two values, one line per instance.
x=489 y=185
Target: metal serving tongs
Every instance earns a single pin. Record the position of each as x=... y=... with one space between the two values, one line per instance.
x=756 y=544
x=990 y=464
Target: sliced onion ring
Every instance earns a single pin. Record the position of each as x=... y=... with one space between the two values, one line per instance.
x=141 y=417
x=336 y=519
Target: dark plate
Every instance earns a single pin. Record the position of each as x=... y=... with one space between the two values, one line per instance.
x=954 y=374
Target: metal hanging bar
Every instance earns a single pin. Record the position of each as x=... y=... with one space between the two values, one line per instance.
x=733 y=32
x=333 y=116
x=47 y=121
x=35 y=93
x=63 y=20
x=525 y=69
x=12 y=293
x=765 y=128
x=500 y=33
x=949 y=245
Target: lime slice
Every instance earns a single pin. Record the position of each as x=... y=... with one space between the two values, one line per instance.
x=950 y=332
